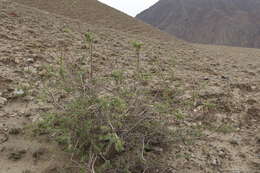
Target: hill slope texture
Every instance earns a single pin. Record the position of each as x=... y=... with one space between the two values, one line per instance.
x=208 y=96
x=226 y=22
x=96 y=13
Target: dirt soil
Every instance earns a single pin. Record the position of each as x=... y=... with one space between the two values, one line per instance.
x=229 y=77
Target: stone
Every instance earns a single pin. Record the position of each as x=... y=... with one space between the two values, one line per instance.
x=27 y=171
x=212 y=91
x=30 y=60
x=187 y=95
x=3 y=101
x=258 y=138
x=18 y=92
x=38 y=153
x=15 y=131
x=36 y=118
x=254 y=111
x=234 y=142
x=16 y=155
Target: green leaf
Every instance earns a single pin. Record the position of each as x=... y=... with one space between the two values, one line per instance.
x=89 y=37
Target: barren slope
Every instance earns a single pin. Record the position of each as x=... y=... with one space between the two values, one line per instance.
x=223 y=22
x=214 y=92
x=96 y=13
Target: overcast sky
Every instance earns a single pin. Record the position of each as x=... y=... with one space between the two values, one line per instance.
x=130 y=7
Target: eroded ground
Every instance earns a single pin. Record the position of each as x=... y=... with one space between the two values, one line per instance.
x=218 y=92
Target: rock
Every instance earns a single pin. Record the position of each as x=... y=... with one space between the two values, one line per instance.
x=27 y=171
x=30 y=69
x=254 y=111
x=19 y=92
x=36 y=118
x=27 y=114
x=28 y=98
x=30 y=60
x=186 y=95
x=2 y=113
x=157 y=149
x=242 y=155
x=251 y=101
x=17 y=60
x=52 y=169
x=15 y=131
x=206 y=78
x=234 y=142
x=3 y=101
x=258 y=138
x=16 y=155
x=243 y=87
x=212 y=91
x=39 y=152
x=215 y=161
x=2 y=149
x=225 y=77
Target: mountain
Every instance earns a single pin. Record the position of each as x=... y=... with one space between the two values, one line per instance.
x=223 y=22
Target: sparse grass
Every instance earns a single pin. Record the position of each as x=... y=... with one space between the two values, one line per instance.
x=118 y=76
x=66 y=30
x=225 y=129
x=179 y=115
x=184 y=155
x=208 y=106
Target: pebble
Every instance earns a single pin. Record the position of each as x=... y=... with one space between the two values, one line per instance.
x=254 y=111
x=16 y=155
x=30 y=60
x=36 y=118
x=39 y=152
x=15 y=131
x=258 y=138
x=234 y=142
x=18 y=92
x=3 y=101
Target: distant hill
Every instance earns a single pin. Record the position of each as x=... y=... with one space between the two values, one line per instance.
x=227 y=22
x=95 y=13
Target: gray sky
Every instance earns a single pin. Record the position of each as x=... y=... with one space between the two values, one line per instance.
x=130 y=7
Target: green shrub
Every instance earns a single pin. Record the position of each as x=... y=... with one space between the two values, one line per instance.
x=107 y=131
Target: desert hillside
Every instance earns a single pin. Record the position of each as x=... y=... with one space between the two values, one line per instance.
x=79 y=97
x=223 y=22
x=96 y=13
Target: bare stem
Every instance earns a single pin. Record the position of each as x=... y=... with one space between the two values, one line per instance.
x=91 y=59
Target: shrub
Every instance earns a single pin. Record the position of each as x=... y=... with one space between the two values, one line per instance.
x=106 y=131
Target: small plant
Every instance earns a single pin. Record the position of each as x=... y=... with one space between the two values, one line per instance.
x=89 y=39
x=172 y=62
x=179 y=115
x=118 y=76
x=163 y=107
x=207 y=107
x=225 y=129
x=183 y=155
x=137 y=45
x=66 y=30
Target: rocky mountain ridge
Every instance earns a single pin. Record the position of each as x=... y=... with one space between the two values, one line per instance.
x=223 y=22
